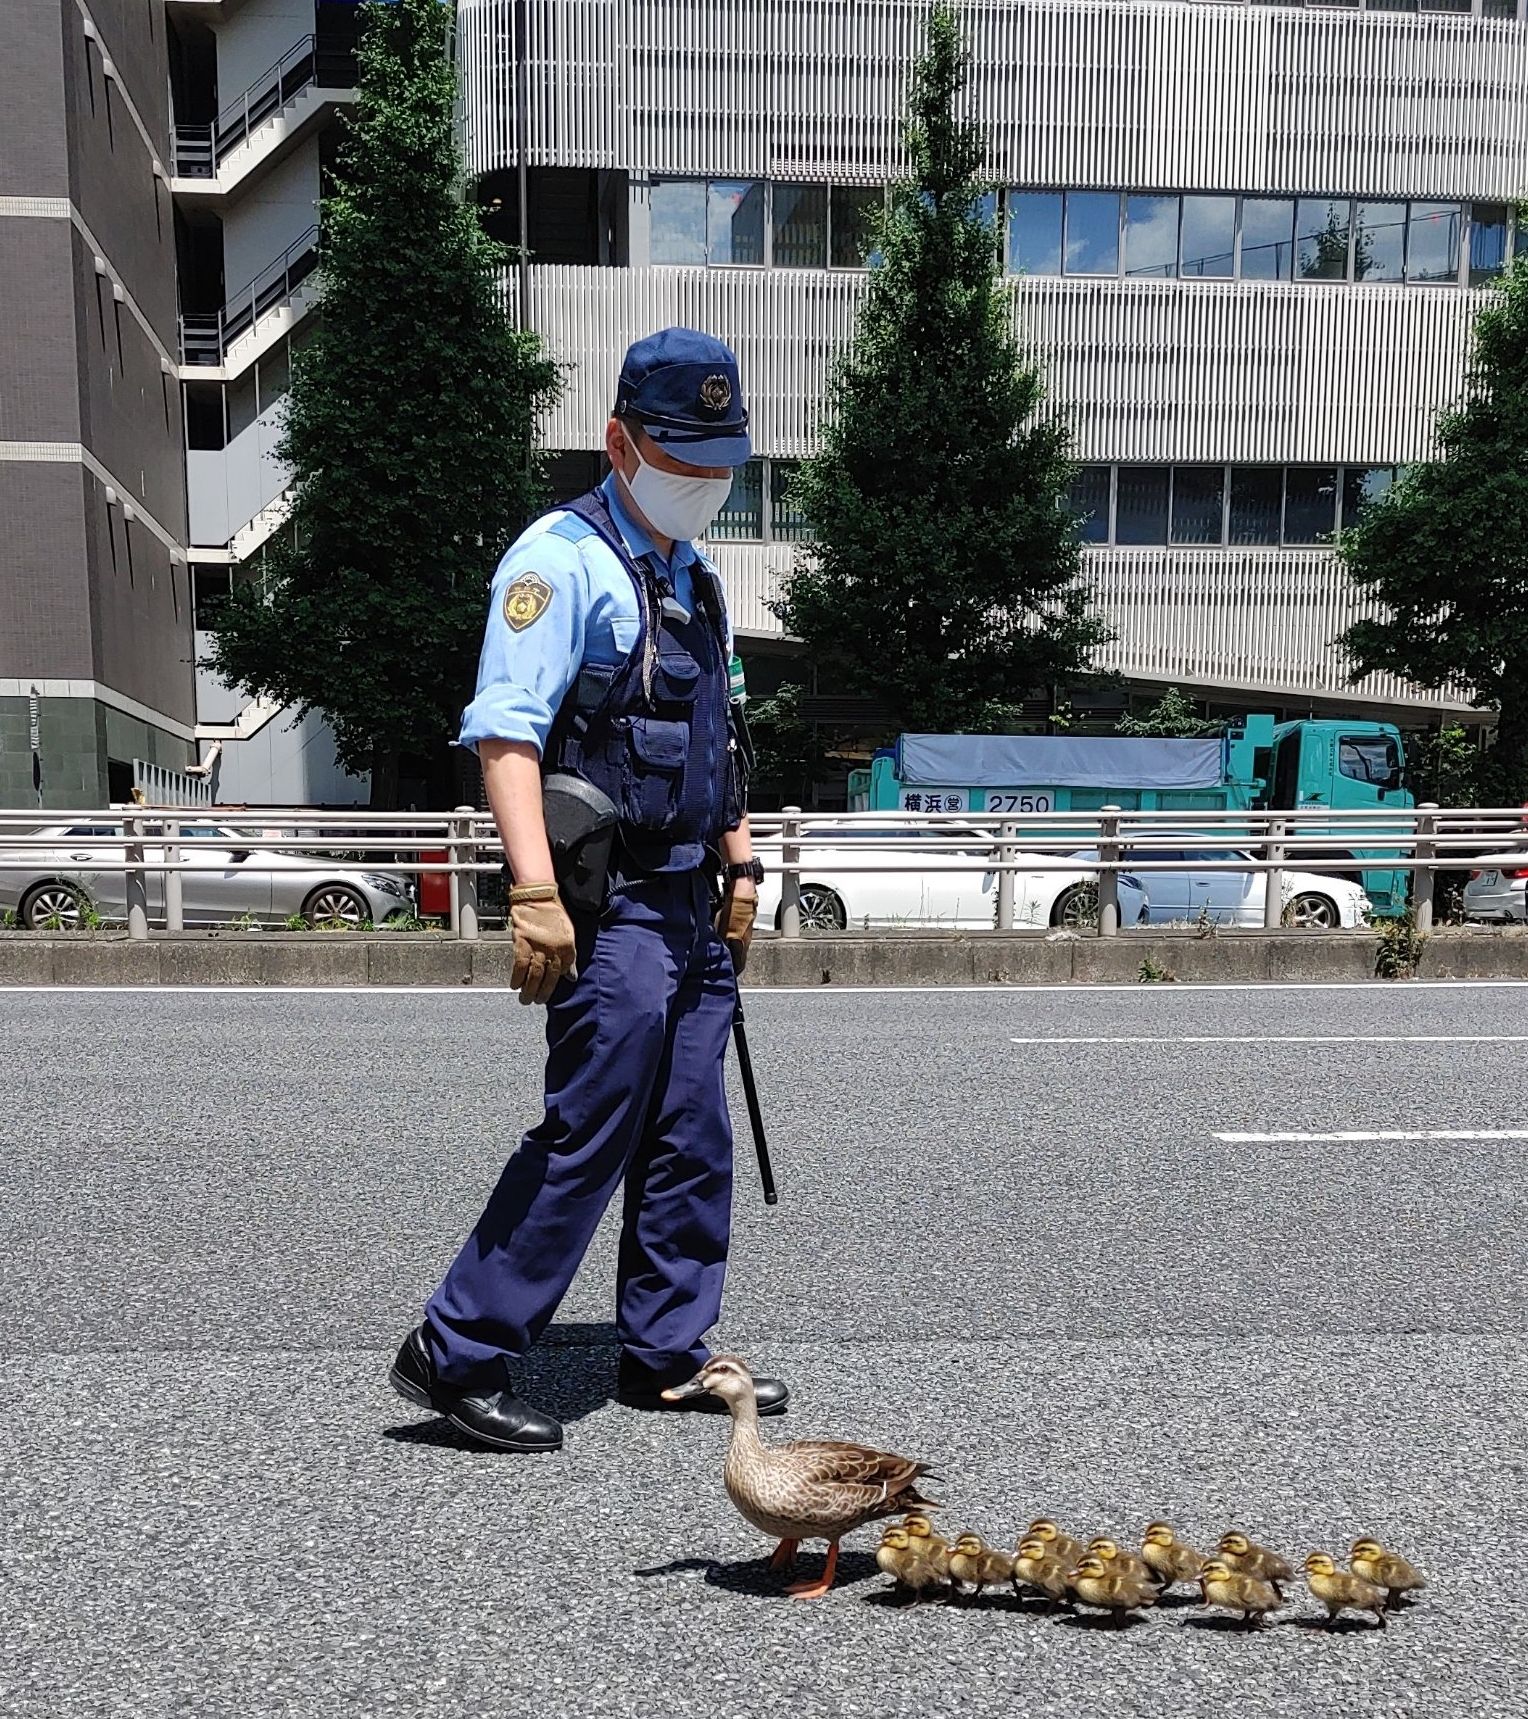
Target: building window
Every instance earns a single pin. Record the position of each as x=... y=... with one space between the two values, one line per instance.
x=1310 y=504
x=742 y=519
x=1088 y=500
x=1140 y=507
x=1151 y=236
x=1321 y=238
x=1488 y=242
x=1209 y=238
x=852 y=213
x=1257 y=500
x=735 y=222
x=786 y=524
x=1267 y=238
x=1379 y=242
x=1432 y=242
x=211 y=587
x=1362 y=486
x=679 y=221
x=1092 y=232
x=800 y=226
x=1198 y=504
x=1034 y=232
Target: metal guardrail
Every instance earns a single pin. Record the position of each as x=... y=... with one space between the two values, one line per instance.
x=462 y=846
x=205 y=339
x=312 y=60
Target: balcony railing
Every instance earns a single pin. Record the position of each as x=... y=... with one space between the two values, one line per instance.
x=205 y=339
x=308 y=63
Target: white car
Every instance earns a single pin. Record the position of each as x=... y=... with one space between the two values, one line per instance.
x=945 y=888
x=1498 y=888
x=52 y=885
x=1312 y=900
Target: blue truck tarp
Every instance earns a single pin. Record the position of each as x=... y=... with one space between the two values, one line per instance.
x=1056 y=760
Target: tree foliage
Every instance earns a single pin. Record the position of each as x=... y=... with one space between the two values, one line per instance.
x=1170 y=718
x=790 y=750
x=409 y=432
x=1444 y=553
x=944 y=574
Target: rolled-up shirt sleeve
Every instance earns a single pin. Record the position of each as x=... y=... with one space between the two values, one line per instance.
x=538 y=612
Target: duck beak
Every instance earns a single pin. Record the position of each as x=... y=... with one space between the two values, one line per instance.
x=695 y=1387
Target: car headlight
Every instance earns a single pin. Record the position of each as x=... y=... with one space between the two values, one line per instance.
x=385 y=885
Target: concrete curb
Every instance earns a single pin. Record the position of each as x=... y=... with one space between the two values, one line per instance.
x=935 y=958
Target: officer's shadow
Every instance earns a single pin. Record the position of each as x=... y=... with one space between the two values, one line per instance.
x=570 y=1373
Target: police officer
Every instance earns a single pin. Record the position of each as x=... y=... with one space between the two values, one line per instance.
x=608 y=654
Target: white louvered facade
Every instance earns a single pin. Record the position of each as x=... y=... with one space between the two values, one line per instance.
x=1143 y=96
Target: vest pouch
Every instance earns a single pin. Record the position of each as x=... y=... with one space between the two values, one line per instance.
x=653 y=772
x=676 y=676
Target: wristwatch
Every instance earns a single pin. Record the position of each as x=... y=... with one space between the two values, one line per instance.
x=745 y=868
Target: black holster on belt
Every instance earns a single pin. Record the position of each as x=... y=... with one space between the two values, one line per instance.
x=581 y=829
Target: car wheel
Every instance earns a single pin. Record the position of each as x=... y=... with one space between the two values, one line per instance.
x=1076 y=908
x=336 y=903
x=1314 y=913
x=822 y=909
x=60 y=902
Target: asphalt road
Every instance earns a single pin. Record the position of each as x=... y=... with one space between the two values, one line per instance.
x=1032 y=1263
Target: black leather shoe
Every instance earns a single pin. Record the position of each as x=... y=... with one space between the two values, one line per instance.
x=498 y=1419
x=638 y=1388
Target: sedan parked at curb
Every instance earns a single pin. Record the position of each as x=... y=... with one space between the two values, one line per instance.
x=62 y=880
x=947 y=888
x=1313 y=901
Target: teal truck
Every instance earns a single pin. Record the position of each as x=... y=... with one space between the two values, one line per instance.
x=1253 y=764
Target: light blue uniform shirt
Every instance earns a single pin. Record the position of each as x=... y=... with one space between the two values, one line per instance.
x=591 y=617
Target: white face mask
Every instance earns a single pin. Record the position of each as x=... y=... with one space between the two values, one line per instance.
x=676 y=507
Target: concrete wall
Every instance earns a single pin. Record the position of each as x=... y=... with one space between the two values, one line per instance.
x=253 y=39
x=288 y=763
x=77 y=736
x=274 y=212
x=229 y=486
x=44 y=585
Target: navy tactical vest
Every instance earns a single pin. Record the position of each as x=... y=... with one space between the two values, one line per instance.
x=653 y=733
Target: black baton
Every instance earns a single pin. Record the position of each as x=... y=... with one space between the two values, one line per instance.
x=751 y=1093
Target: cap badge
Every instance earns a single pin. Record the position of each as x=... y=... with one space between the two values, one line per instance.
x=716 y=393
x=525 y=601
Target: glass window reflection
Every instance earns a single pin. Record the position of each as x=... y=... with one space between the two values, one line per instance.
x=1140 y=505
x=1310 y=504
x=1209 y=238
x=679 y=221
x=852 y=214
x=1321 y=239
x=1267 y=240
x=1379 y=242
x=800 y=227
x=1151 y=236
x=735 y=221
x=1257 y=501
x=742 y=518
x=1432 y=242
x=1198 y=503
x=1034 y=232
x=1488 y=242
x=1092 y=232
x=1088 y=499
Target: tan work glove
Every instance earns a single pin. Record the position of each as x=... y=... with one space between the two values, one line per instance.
x=734 y=924
x=543 y=941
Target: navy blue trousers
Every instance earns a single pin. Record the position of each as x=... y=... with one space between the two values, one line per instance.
x=634 y=1089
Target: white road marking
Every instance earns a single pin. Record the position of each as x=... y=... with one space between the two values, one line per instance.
x=1356 y=1136
x=1299 y=1039
x=1079 y=989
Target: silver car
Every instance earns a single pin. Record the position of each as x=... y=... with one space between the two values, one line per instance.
x=57 y=883
x=1498 y=888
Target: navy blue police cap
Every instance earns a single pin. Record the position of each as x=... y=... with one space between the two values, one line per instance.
x=682 y=387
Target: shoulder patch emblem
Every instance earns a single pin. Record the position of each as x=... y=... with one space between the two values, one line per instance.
x=525 y=600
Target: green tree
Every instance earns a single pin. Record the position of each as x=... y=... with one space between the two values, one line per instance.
x=409 y=432
x=790 y=750
x=1170 y=718
x=1443 y=555
x=944 y=572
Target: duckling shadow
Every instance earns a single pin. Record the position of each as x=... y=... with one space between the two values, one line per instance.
x=1225 y=1625
x=1343 y=1626
x=1102 y=1621
x=1177 y=1602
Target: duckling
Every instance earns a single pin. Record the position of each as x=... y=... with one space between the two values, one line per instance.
x=1245 y=1557
x=810 y=1489
x=1037 y=1568
x=1100 y=1582
x=1340 y=1590
x=928 y=1545
x=1169 y=1559
x=1236 y=1591
x=913 y=1574
x=1387 y=1570
x=1062 y=1546
x=1119 y=1560
x=974 y=1562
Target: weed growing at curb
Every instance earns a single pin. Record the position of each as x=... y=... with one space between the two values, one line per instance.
x=1152 y=972
x=1400 y=946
